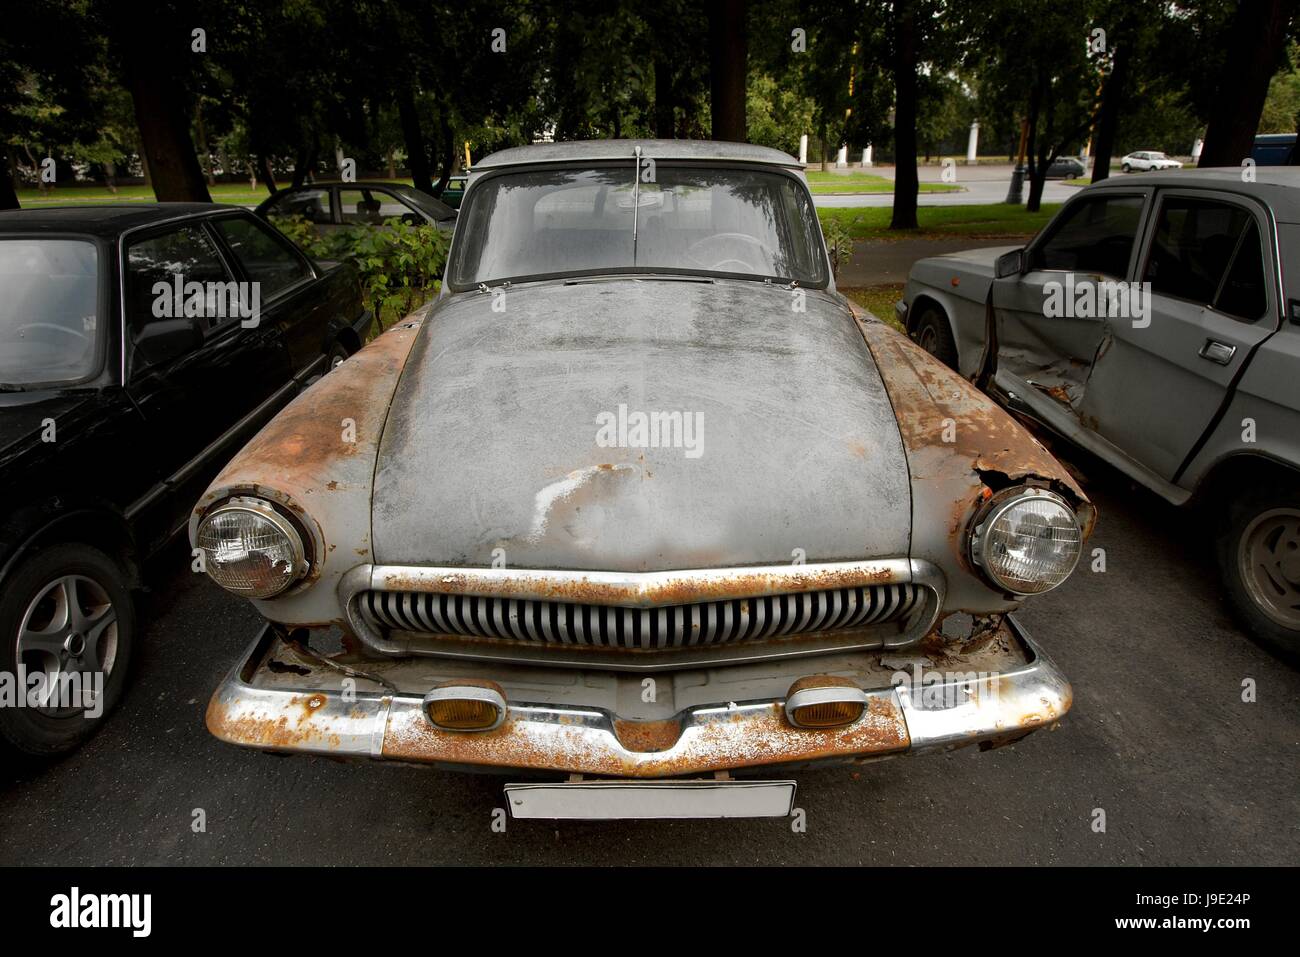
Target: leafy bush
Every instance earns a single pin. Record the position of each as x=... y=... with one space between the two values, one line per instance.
x=838 y=243
x=400 y=264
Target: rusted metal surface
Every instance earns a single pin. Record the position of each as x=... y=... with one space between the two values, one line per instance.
x=961 y=447
x=316 y=459
x=648 y=589
x=750 y=737
x=272 y=710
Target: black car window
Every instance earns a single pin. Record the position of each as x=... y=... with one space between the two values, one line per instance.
x=1092 y=236
x=312 y=205
x=174 y=274
x=1241 y=294
x=370 y=207
x=1196 y=242
x=264 y=258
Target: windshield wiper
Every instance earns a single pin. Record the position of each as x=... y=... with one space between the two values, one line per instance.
x=637 y=277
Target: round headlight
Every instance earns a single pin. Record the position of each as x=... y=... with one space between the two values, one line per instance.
x=1027 y=542
x=251 y=549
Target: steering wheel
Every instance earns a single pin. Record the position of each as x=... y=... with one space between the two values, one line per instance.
x=693 y=250
x=76 y=334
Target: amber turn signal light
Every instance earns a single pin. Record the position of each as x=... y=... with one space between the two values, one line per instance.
x=824 y=701
x=455 y=706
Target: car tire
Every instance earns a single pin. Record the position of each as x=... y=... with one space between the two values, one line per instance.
x=1126 y=168
x=933 y=334
x=338 y=354
x=33 y=604
x=1258 y=551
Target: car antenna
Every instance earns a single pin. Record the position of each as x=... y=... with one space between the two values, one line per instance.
x=636 y=197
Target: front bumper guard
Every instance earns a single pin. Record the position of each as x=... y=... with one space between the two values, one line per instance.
x=948 y=712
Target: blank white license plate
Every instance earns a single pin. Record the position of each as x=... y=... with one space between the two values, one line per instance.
x=625 y=800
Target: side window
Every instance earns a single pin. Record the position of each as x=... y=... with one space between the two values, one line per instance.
x=1093 y=236
x=312 y=205
x=369 y=207
x=264 y=259
x=176 y=259
x=1208 y=252
x=1241 y=294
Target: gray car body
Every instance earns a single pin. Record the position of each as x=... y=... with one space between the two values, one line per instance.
x=457 y=455
x=1261 y=387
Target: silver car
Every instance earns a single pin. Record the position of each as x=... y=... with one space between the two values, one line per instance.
x=640 y=503
x=1156 y=324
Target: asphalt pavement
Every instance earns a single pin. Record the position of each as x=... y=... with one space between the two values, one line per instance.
x=1159 y=739
x=980 y=185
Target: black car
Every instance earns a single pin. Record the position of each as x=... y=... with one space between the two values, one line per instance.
x=1065 y=167
x=334 y=206
x=140 y=347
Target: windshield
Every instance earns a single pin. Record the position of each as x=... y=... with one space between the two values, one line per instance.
x=749 y=224
x=49 y=313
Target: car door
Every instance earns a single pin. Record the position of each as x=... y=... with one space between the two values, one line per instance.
x=1047 y=321
x=295 y=309
x=194 y=404
x=1208 y=259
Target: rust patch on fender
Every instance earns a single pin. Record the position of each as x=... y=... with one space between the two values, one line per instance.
x=950 y=429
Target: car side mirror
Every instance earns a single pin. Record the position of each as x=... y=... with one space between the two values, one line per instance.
x=1009 y=264
x=167 y=339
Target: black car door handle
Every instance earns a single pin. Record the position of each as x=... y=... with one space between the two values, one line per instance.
x=1216 y=351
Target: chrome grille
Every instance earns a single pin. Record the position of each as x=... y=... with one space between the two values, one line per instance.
x=607 y=626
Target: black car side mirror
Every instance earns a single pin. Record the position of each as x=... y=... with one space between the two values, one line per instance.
x=1009 y=264
x=160 y=342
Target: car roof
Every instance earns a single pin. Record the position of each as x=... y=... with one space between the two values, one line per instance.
x=107 y=221
x=1277 y=186
x=362 y=184
x=585 y=151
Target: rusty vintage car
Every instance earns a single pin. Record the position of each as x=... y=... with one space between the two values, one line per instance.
x=640 y=503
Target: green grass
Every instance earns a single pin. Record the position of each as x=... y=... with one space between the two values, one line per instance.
x=995 y=220
x=828 y=182
x=879 y=301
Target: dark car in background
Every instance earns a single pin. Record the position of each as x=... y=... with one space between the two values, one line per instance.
x=1275 y=149
x=333 y=206
x=125 y=384
x=1065 y=167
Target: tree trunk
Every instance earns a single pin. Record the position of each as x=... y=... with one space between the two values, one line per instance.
x=906 y=181
x=268 y=172
x=1037 y=175
x=205 y=155
x=663 y=97
x=164 y=131
x=8 y=194
x=446 y=154
x=1255 y=41
x=304 y=161
x=728 y=65
x=417 y=157
x=1112 y=96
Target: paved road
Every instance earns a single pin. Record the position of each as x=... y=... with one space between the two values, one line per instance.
x=1159 y=738
x=981 y=185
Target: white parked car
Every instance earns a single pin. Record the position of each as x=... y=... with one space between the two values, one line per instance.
x=1146 y=159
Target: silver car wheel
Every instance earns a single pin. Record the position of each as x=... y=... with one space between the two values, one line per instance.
x=1268 y=558
x=69 y=627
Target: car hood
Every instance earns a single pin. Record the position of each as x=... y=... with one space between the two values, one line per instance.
x=513 y=434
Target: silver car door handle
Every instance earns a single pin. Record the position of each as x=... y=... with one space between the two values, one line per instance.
x=1217 y=351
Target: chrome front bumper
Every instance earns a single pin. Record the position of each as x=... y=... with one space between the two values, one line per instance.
x=280 y=699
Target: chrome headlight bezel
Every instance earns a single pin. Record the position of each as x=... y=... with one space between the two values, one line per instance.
x=294 y=536
x=996 y=507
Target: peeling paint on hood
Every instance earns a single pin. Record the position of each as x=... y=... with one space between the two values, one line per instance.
x=492 y=440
